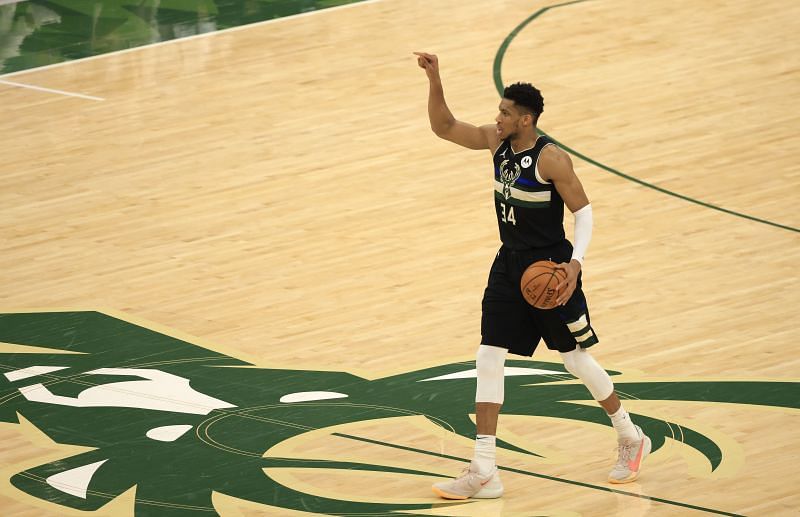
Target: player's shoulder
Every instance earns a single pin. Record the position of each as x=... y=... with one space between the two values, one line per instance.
x=554 y=161
x=552 y=152
x=554 y=155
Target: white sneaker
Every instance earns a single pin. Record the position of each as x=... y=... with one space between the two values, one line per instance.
x=470 y=485
x=631 y=455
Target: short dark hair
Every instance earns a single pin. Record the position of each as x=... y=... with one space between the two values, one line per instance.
x=526 y=96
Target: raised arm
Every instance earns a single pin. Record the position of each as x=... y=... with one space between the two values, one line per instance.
x=443 y=123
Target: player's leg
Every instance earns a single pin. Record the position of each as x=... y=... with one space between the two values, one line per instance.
x=634 y=445
x=582 y=364
x=504 y=323
x=489 y=395
x=480 y=480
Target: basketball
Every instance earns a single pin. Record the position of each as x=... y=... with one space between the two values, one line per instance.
x=539 y=283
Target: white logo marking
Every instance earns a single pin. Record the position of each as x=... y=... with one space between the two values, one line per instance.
x=305 y=396
x=160 y=391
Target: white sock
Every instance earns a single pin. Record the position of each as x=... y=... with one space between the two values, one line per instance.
x=484 y=459
x=622 y=423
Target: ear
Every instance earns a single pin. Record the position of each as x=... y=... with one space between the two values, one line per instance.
x=527 y=119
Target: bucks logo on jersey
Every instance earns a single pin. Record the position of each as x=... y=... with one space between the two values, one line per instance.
x=146 y=412
x=508 y=176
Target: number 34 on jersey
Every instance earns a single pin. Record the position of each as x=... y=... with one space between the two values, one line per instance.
x=507 y=215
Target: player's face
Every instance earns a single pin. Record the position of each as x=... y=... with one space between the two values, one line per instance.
x=510 y=120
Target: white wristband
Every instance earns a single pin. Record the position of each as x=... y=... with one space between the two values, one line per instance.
x=583 y=232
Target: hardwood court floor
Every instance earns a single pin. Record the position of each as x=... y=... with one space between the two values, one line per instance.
x=276 y=192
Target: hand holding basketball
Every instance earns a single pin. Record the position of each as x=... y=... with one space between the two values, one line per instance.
x=567 y=285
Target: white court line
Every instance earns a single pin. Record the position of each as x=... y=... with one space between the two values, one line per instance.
x=51 y=90
x=195 y=36
x=2 y=2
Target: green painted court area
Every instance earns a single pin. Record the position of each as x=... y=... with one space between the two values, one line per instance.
x=100 y=381
x=40 y=32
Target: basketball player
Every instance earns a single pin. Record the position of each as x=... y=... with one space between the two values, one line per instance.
x=533 y=180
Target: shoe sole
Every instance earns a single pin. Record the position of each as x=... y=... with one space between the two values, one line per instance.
x=483 y=493
x=489 y=493
x=445 y=495
x=635 y=475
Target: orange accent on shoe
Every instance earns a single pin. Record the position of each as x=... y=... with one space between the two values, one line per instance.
x=635 y=463
x=445 y=495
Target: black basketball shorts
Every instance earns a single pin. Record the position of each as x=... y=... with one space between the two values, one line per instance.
x=508 y=321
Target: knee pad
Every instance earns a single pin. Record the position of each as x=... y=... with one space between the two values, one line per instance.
x=490 y=364
x=582 y=365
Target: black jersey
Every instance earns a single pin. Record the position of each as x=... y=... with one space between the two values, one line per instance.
x=530 y=212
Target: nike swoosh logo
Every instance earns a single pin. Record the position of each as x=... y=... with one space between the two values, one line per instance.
x=634 y=463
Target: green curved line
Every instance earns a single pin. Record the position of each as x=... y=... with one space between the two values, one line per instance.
x=498 y=82
x=543 y=476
